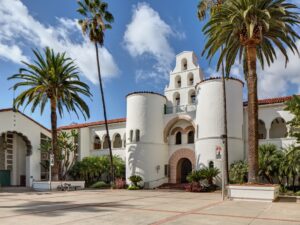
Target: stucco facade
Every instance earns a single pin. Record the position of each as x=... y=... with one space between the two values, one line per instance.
x=165 y=136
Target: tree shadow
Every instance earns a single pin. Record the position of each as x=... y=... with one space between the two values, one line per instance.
x=56 y=209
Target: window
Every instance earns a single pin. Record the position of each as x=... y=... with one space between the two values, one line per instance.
x=177 y=99
x=166 y=170
x=131 y=135
x=137 y=135
x=211 y=164
x=191 y=137
x=262 y=131
x=178 y=138
x=117 y=141
x=105 y=142
x=178 y=82
x=193 y=98
x=97 y=142
x=278 y=128
x=190 y=79
x=184 y=64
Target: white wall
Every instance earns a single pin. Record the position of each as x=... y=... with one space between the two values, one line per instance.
x=210 y=120
x=148 y=156
x=268 y=113
x=11 y=121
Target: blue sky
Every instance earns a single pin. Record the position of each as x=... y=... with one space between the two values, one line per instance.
x=138 y=54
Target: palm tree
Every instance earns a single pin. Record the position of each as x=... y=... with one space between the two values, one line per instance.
x=96 y=20
x=209 y=174
x=54 y=78
x=203 y=7
x=250 y=30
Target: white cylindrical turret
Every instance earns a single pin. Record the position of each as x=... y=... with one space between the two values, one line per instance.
x=210 y=120
x=146 y=151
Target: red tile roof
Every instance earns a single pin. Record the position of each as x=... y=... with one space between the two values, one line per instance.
x=272 y=100
x=83 y=125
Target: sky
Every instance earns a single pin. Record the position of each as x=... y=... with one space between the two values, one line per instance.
x=138 y=53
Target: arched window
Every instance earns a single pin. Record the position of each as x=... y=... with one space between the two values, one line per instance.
x=177 y=82
x=137 y=135
x=211 y=164
x=131 y=135
x=97 y=142
x=192 y=97
x=177 y=98
x=262 y=131
x=178 y=138
x=117 y=141
x=190 y=80
x=184 y=64
x=191 y=137
x=278 y=128
x=105 y=142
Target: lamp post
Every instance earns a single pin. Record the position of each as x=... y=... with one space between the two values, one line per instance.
x=51 y=163
x=224 y=166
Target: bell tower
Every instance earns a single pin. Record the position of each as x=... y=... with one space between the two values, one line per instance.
x=181 y=92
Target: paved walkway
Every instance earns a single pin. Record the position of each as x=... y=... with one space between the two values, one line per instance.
x=139 y=207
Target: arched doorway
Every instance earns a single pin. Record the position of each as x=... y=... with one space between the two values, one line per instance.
x=184 y=167
x=181 y=162
x=14 y=148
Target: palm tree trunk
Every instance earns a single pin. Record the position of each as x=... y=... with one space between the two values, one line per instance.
x=54 y=150
x=112 y=173
x=252 y=114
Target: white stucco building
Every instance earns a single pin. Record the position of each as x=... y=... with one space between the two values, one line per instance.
x=163 y=137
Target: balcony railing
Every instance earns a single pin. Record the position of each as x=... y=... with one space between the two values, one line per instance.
x=180 y=109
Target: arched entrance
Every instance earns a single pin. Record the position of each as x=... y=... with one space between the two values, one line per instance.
x=184 y=167
x=14 y=148
x=182 y=162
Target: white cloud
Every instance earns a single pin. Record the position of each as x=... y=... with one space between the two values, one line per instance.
x=277 y=79
x=19 y=29
x=147 y=35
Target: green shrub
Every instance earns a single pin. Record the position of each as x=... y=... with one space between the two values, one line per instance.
x=209 y=174
x=132 y=187
x=92 y=169
x=269 y=159
x=204 y=173
x=238 y=172
x=135 y=179
x=100 y=185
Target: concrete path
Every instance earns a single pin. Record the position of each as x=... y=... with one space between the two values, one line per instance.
x=139 y=207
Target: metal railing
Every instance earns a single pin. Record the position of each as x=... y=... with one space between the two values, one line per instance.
x=180 y=109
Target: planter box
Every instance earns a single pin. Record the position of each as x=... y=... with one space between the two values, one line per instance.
x=266 y=193
x=45 y=185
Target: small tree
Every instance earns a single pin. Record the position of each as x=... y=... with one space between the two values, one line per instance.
x=294 y=107
x=209 y=174
x=238 y=172
x=269 y=159
x=290 y=166
x=66 y=154
x=135 y=179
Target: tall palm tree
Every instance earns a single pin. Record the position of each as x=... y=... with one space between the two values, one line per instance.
x=54 y=78
x=211 y=6
x=250 y=30
x=96 y=20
